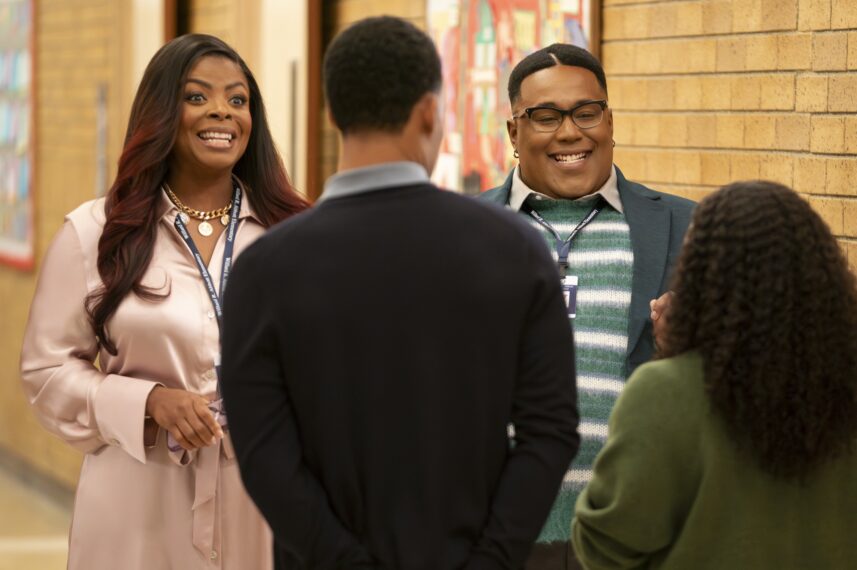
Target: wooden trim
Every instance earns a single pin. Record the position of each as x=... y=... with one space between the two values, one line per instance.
x=170 y=19
x=595 y=22
x=314 y=95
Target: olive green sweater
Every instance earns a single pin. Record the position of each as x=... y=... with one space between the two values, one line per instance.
x=672 y=492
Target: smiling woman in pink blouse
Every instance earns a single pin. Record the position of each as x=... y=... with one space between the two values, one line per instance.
x=134 y=280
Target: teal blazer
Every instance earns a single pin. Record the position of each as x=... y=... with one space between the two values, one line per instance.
x=658 y=223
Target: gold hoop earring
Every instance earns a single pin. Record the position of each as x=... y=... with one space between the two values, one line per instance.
x=515 y=154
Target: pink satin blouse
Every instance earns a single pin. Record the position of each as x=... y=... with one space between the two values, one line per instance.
x=138 y=507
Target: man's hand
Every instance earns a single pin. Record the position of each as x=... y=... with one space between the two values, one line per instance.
x=185 y=415
x=660 y=308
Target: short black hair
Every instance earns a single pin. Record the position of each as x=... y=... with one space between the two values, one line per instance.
x=376 y=71
x=554 y=54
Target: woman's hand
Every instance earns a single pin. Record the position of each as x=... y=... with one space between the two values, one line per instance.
x=660 y=308
x=185 y=415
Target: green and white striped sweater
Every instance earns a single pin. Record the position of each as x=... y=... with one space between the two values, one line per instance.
x=602 y=259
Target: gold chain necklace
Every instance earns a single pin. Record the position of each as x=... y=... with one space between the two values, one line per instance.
x=187 y=212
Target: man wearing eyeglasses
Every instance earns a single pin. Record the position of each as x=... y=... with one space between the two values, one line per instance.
x=614 y=241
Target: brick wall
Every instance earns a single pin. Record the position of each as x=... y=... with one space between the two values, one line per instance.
x=78 y=45
x=236 y=23
x=710 y=91
x=215 y=17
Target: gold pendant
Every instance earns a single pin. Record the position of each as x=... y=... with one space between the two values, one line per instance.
x=205 y=229
x=224 y=219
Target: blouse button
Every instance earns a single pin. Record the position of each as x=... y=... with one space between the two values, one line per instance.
x=210 y=314
x=213 y=555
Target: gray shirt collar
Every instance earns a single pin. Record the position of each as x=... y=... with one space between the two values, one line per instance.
x=376 y=177
x=610 y=191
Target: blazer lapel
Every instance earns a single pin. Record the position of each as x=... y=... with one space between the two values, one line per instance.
x=649 y=222
x=500 y=194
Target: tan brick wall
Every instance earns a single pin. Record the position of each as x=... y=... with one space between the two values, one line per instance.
x=78 y=45
x=236 y=23
x=710 y=91
x=215 y=17
x=345 y=12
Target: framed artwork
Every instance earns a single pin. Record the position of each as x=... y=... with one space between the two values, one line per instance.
x=480 y=41
x=16 y=133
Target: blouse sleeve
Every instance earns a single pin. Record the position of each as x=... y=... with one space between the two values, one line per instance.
x=70 y=396
x=644 y=477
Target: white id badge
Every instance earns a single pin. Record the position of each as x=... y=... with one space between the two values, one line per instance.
x=569 y=292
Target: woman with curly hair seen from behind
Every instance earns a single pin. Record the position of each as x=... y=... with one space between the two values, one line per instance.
x=737 y=449
x=133 y=281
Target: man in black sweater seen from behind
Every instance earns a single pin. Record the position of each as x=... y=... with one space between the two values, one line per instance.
x=377 y=347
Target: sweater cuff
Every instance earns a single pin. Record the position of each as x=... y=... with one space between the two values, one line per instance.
x=120 y=410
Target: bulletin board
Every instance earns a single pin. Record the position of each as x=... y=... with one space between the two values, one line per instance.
x=16 y=133
x=480 y=41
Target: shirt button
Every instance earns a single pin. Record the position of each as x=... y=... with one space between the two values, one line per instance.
x=210 y=314
x=213 y=555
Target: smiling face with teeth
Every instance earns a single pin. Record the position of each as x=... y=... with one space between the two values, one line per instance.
x=570 y=162
x=215 y=117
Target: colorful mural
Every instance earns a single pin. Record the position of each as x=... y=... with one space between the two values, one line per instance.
x=16 y=162
x=480 y=41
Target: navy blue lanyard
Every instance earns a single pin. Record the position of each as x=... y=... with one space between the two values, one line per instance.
x=227 y=255
x=563 y=247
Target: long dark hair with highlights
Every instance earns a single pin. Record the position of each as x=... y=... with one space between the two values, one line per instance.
x=128 y=239
x=763 y=292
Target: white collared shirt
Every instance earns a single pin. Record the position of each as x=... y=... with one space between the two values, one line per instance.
x=609 y=191
x=375 y=177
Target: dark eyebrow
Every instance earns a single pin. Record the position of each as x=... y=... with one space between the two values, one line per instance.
x=575 y=104
x=208 y=85
x=205 y=84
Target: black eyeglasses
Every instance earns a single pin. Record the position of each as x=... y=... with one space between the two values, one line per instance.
x=548 y=119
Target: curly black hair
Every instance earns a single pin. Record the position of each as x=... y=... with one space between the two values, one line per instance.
x=376 y=71
x=763 y=292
